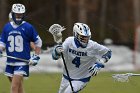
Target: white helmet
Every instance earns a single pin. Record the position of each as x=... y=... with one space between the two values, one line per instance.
x=82 y=33
x=18 y=11
x=18 y=8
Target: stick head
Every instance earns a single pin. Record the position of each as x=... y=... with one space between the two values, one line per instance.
x=121 y=77
x=56 y=30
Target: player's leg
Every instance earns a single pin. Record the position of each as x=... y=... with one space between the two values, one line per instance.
x=19 y=73
x=64 y=84
x=21 y=89
x=9 y=72
x=77 y=86
x=15 y=75
x=66 y=88
x=16 y=84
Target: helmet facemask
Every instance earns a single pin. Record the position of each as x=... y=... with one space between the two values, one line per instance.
x=82 y=34
x=17 y=18
x=83 y=40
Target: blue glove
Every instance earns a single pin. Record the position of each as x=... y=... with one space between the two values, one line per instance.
x=34 y=60
x=95 y=68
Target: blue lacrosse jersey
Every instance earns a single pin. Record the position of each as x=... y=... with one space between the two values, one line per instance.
x=17 y=40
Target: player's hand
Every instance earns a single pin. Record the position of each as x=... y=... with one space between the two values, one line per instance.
x=34 y=60
x=95 y=68
x=0 y=53
x=59 y=49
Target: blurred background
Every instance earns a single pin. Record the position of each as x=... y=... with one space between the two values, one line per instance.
x=114 y=23
x=107 y=18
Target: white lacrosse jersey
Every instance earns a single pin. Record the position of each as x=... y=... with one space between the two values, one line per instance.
x=78 y=60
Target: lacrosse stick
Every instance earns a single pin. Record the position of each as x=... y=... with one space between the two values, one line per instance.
x=15 y=58
x=56 y=30
x=123 y=77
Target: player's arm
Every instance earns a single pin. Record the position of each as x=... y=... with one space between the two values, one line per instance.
x=58 y=49
x=37 y=48
x=104 y=54
x=38 y=45
x=100 y=63
x=36 y=42
x=2 y=42
x=1 y=49
x=32 y=45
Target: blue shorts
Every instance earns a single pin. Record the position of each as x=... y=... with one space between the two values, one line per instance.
x=22 y=70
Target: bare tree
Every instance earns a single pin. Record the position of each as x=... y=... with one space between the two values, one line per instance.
x=103 y=18
x=82 y=11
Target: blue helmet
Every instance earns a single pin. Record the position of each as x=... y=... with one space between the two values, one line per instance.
x=82 y=34
x=18 y=11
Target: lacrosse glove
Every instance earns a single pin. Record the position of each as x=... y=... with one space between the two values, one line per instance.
x=34 y=60
x=57 y=52
x=59 y=49
x=95 y=68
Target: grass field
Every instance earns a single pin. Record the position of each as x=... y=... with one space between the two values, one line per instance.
x=49 y=83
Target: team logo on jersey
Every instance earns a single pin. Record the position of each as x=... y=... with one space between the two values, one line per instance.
x=78 y=53
x=20 y=68
x=23 y=29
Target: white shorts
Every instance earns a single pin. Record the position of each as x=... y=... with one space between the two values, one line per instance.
x=66 y=88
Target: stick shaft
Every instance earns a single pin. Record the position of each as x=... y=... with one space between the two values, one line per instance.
x=135 y=74
x=15 y=58
x=67 y=72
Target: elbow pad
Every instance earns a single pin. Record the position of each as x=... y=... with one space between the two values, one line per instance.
x=106 y=56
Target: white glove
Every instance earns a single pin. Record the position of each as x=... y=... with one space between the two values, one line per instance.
x=34 y=60
x=59 y=49
x=95 y=68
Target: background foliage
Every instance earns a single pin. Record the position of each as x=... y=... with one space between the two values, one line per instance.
x=107 y=18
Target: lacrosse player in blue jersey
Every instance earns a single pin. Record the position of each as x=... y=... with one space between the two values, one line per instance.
x=15 y=39
x=84 y=58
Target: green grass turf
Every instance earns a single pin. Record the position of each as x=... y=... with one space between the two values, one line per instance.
x=49 y=83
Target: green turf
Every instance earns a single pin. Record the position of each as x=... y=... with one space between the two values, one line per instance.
x=49 y=83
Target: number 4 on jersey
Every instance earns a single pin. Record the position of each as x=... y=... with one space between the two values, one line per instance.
x=76 y=61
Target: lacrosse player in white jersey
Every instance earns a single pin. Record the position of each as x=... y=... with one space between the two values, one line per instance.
x=84 y=58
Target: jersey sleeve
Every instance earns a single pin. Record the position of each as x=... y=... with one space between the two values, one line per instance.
x=66 y=44
x=33 y=34
x=100 y=50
